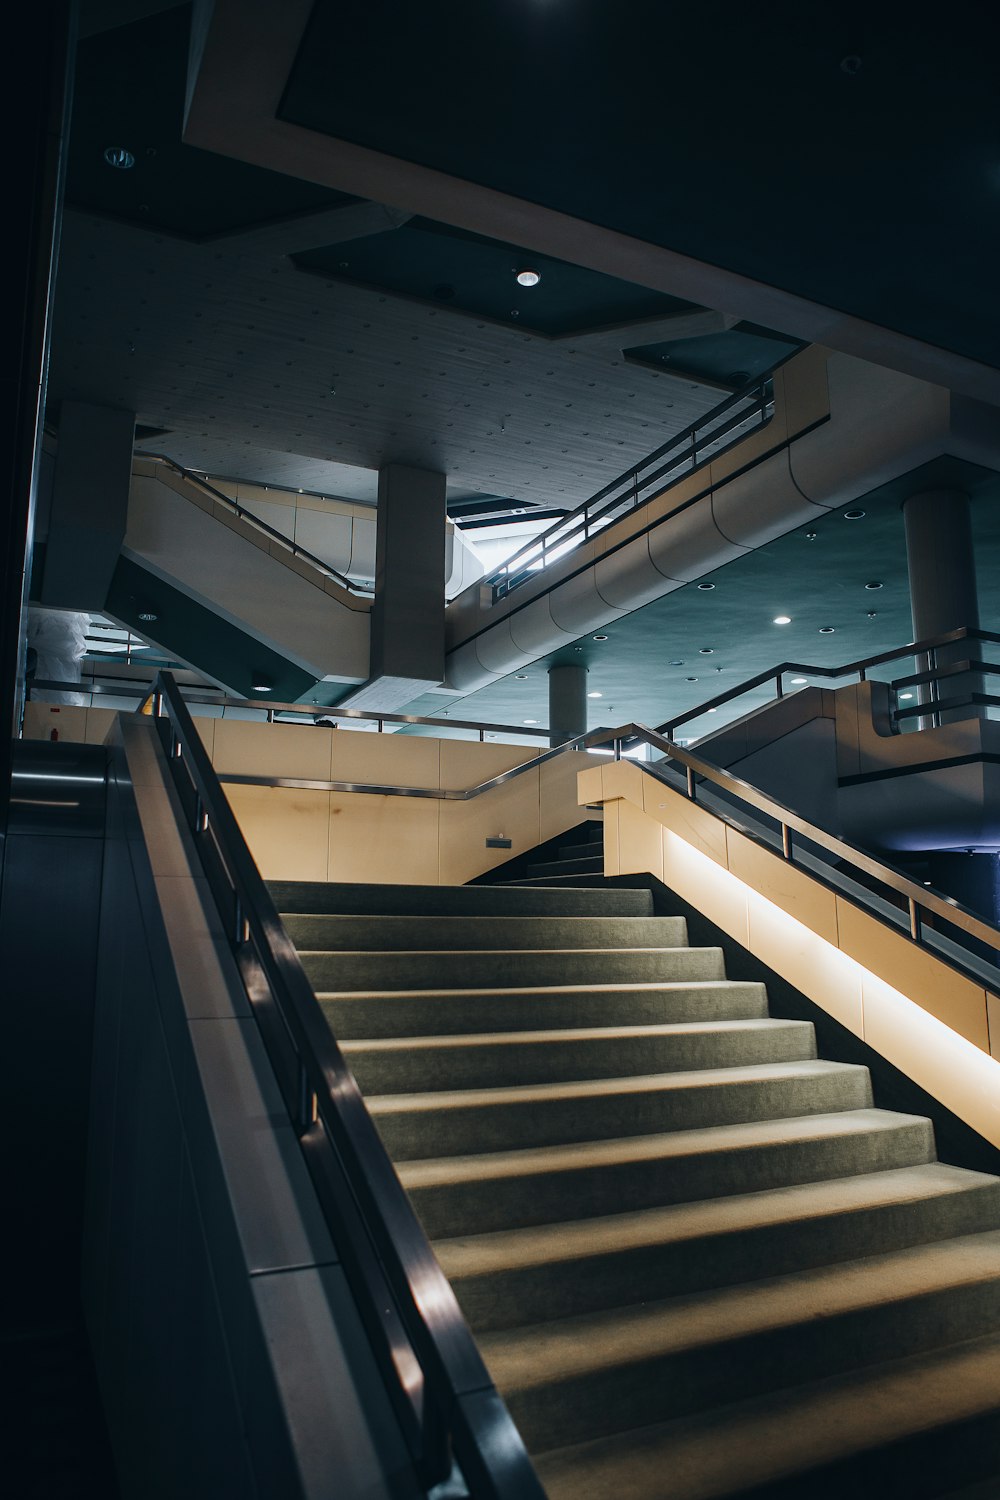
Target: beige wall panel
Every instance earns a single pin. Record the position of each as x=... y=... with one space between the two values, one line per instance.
x=206 y=733
x=620 y=778
x=964 y=1078
x=466 y=763
x=383 y=840
x=386 y=759
x=589 y=785
x=993 y=1022
x=684 y=817
x=612 y=812
x=511 y=812
x=807 y=961
x=288 y=831
x=929 y=983
x=780 y=882
x=99 y=722
x=558 y=808
x=640 y=846
x=41 y=718
x=698 y=879
x=249 y=749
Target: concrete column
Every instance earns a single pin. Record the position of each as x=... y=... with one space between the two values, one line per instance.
x=942 y=573
x=89 y=514
x=567 y=703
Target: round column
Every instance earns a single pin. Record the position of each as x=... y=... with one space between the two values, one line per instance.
x=942 y=572
x=567 y=703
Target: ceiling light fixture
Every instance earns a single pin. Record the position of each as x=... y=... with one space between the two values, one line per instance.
x=692 y=679
x=529 y=721
x=706 y=650
x=854 y=515
x=706 y=587
x=528 y=278
x=799 y=681
x=875 y=584
x=595 y=695
x=120 y=157
x=811 y=536
x=827 y=629
x=520 y=676
x=600 y=637
x=906 y=695
x=782 y=619
x=147 y=616
x=712 y=710
x=261 y=684
x=676 y=664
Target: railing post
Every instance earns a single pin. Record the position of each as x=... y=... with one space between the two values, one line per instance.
x=779 y=685
x=786 y=841
x=618 y=749
x=914 y=920
x=690 y=784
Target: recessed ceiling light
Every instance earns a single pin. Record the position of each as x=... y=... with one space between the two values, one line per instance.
x=120 y=157
x=872 y=614
x=799 y=681
x=147 y=616
x=705 y=650
x=827 y=629
x=520 y=676
x=600 y=637
x=782 y=619
x=712 y=710
x=528 y=278
x=811 y=536
x=706 y=587
x=692 y=679
x=676 y=664
x=873 y=585
x=529 y=721
x=595 y=695
x=906 y=695
x=261 y=684
x=854 y=515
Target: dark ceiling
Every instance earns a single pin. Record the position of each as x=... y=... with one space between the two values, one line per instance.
x=728 y=359
x=846 y=153
x=438 y=264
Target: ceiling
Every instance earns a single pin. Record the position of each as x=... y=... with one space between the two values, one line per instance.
x=288 y=329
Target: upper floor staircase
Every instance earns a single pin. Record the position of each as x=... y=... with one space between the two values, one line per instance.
x=700 y=1261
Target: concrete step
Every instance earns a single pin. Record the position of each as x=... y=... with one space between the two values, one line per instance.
x=909 y=1429
x=331 y=933
x=477 y=1060
x=508 y=968
x=456 y=900
x=592 y=850
x=561 y=1270
x=571 y=865
x=402 y=1013
x=475 y=1194
x=450 y=1122
x=579 y=1378
x=558 y=883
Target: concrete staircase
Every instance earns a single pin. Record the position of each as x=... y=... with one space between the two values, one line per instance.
x=699 y=1262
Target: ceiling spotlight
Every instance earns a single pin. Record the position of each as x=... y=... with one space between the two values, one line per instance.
x=147 y=616
x=853 y=515
x=782 y=619
x=261 y=684
x=705 y=650
x=799 y=681
x=520 y=676
x=600 y=637
x=906 y=695
x=873 y=585
x=529 y=721
x=811 y=536
x=706 y=587
x=827 y=629
x=120 y=157
x=872 y=614
x=712 y=710
x=692 y=679
x=528 y=278
x=595 y=695
x=676 y=664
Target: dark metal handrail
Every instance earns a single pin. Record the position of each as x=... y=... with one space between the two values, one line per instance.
x=443 y=1396
x=754 y=403
x=860 y=668
x=246 y=515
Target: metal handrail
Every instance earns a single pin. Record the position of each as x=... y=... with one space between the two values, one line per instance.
x=135 y=688
x=443 y=1396
x=628 y=491
x=247 y=515
x=861 y=667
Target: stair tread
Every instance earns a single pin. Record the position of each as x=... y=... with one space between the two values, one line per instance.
x=625 y=987
x=788 y=1435
x=425 y=1172
x=588 y=1088
x=524 y=1359
x=575 y=1240
x=496 y=1039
